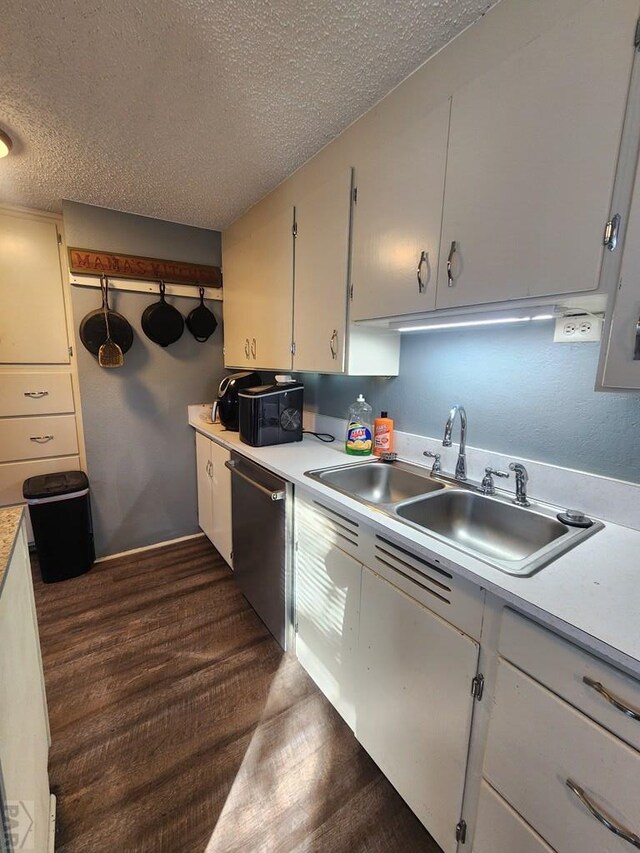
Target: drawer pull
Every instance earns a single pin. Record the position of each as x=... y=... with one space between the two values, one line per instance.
x=36 y=395
x=41 y=439
x=631 y=837
x=635 y=715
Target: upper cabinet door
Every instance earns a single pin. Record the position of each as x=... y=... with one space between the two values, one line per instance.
x=397 y=218
x=258 y=287
x=532 y=155
x=33 y=327
x=323 y=207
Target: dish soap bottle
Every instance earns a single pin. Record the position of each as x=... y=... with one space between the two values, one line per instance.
x=382 y=435
x=359 y=428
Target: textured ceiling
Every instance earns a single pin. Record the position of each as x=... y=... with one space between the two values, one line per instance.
x=192 y=110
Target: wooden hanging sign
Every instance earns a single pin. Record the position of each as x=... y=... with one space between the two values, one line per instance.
x=92 y=262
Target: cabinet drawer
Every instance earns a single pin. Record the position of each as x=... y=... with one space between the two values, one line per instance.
x=536 y=743
x=35 y=438
x=13 y=475
x=561 y=667
x=35 y=394
x=501 y=830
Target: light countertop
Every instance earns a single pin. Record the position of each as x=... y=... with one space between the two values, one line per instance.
x=591 y=594
x=10 y=518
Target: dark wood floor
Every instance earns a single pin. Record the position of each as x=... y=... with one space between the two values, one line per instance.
x=179 y=725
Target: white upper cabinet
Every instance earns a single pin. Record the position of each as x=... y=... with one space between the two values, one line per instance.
x=398 y=215
x=33 y=327
x=532 y=155
x=258 y=287
x=323 y=205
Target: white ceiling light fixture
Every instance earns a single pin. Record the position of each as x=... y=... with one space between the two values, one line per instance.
x=6 y=143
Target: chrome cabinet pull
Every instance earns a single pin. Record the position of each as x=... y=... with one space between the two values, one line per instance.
x=611 y=699
x=278 y=495
x=333 y=344
x=36 y=395
x=246 y=347
x=253 y=348
x=41 y=439
x=625 y=834
x=452 y=251
x=424 y=260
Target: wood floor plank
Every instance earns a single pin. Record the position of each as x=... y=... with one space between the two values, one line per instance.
x=178 y=724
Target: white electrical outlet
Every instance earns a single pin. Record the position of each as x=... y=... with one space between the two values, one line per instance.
x=580 y=329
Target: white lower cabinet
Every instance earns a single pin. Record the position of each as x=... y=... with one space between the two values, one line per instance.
x=415 y=703
x=214 y=494
x=500 y=829
x=550 y=761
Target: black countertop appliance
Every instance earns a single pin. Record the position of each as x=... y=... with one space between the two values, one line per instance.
x=226 y=406
x=271 y=414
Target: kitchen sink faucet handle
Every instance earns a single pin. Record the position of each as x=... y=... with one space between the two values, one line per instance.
x=488 y=487
x=436 y=468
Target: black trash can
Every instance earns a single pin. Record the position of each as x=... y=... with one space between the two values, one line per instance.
x=62 y=527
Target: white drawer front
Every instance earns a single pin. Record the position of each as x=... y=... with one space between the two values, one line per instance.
x=536 y=743
x=13 y=475
x=35 y=394
x=501 y=830
x=561 y=667
x=35 y=438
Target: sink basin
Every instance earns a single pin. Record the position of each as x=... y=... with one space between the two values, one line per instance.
x=498 y=530
x=378 y=483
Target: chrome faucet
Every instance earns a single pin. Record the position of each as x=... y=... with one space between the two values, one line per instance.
x=461 y=464
x=522 y=479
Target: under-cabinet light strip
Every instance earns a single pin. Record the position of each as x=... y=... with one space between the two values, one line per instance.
x=459 y=324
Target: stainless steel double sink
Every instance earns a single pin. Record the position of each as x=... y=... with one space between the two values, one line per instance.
x=514 y=539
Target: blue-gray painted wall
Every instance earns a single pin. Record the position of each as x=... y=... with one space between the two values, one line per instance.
x=524 y=395
x=140 y=450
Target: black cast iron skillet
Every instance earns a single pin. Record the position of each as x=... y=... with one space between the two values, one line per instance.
x=201 y=322
x=93 y=330
x=161 y=322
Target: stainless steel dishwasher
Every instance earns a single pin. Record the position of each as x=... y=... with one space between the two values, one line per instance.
x=262 y=543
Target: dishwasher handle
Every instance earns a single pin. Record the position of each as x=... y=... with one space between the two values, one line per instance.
x=275 y=496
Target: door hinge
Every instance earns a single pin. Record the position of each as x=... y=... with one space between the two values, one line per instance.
x=294 y=230
x=70 y=351
x=477 y=686
x=295 y=628
x=355 y=195
x=461 y=831
x=351 y=292
x=293 y=347
x=59 y=235
x=636 y=37
x=611 y=232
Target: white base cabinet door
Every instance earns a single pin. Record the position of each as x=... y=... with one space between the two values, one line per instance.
x=327 y=596
x=214 y=494
x=414 y=704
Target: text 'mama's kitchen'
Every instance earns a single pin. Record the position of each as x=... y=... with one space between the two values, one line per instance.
x=320 y=427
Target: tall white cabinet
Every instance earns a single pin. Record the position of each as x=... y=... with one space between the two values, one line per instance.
x=40 y=421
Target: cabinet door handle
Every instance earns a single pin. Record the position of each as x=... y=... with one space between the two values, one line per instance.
x=452 y=251
x=625 y=834
x=36 y=395
x=41 y=439
x=636 y=349
x=611 y=699
x=253 y=348
x=424 y=260
x=333 y=344
x=246 y=347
